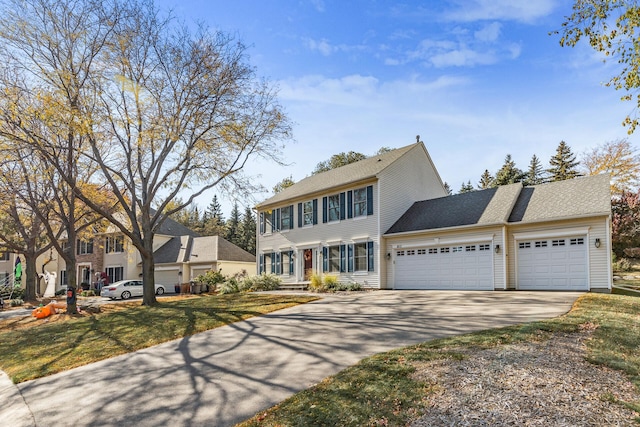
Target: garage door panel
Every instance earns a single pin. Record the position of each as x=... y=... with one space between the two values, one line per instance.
x=446 y=268
x=553 y=264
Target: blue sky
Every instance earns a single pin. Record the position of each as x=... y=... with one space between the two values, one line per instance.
x=476 y=79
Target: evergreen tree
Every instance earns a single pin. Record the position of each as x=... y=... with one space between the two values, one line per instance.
x=247 y=231
x=563 y=165
x=232 y=227
x=213 y=219
x=508 y=173
x=447 y=189
x=486 y=180
x=535 y=174
x=466 y=188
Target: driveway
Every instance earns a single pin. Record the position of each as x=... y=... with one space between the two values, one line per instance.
x=224 y=376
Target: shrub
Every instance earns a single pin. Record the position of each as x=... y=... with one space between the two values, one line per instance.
x=89 y=293
x=230 y=286
x=60 y=292
x=15 y=302
x=212 y=279
x=263 y=282
x=622 y=264
x=632 y=252
x=316 y=282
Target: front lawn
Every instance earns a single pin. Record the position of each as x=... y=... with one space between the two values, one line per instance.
x=380 y=390
x=64 y=342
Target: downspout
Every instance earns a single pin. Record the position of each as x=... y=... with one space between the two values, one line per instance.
x=504 y=257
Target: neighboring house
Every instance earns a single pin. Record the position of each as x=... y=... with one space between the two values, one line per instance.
x=552 y=236
x=180 y=255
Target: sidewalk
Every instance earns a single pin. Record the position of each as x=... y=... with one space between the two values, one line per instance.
x=14 y=409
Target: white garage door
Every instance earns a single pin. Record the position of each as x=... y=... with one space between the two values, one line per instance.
x=553 y=264
x=445 y=267
x=168 y=278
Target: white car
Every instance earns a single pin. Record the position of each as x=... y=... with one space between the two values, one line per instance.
x=126 y=289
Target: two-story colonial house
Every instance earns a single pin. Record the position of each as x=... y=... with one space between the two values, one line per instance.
x=387 y=222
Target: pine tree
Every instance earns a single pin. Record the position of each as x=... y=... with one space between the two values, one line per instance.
x=466 y=188
x=447 y=189
x=233 y=225
x=213 y=219
x=535 y=174
x=508 y=173
x=563 y=165
x=247 y=231
x=486 y=180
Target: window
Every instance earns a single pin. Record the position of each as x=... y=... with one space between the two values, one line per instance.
x=524 y=245
x=444 y=250
x=470 y=248
x=63 y=278
x=267 y=263
x=578 y=241
x=456 y=249
x=285 y=218
x=484 y=247
x=84 y=247
x=334 y=259
x=433 y=250
x=114 y=244
x=360 y=202
x=4 y=256
x=307 y=212
x=115 y=274
x=400 y=253
x=268 y=222
x=333 y=208
x=286 y=264
x=422 y=251
x=541 y=244
x=559 y=242
x=360 y=256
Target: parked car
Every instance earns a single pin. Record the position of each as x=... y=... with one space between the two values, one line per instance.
x=126 y=289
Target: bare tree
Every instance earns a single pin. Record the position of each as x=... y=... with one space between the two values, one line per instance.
x=160 y=110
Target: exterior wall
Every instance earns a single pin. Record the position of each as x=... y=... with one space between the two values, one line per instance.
x=439 y=238
x=315 y=237
x=403 y=183
x=600 y=278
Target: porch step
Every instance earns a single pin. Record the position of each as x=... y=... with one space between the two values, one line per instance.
x=293 y=287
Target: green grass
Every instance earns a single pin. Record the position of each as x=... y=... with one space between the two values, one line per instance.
x=379 y=390
x=28 y=353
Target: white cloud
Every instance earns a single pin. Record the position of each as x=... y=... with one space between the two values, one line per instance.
x=512 y=10
x=326 y=48
x=318 y=5
x=489 y=33
x=463 y=58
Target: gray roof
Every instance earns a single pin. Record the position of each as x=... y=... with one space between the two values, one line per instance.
x=169 y=227
x=483 y=207
x=578 y=197
x=200 y=249
x=351 y=173
x=574 y=198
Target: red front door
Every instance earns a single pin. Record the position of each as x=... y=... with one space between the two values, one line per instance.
x=308 y=263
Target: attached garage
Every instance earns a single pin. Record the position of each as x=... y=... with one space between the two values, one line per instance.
x=459 y=266
x=559 y=263
x=167 y=277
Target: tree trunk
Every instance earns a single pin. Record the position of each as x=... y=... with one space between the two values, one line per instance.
x=148 y=271
x=31 y=275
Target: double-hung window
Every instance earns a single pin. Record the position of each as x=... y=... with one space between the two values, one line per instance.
x=360 y=202
x=285 y=218
x=84 y=247
x=360 y=258
x=114 y=244
x=333 y=208
x=307 y=213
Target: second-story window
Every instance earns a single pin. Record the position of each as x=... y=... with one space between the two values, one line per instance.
x=4 y=256
x=285 y=218
x=114 y=244
x=84 y=247
x=307 y=213
x=360 y=202
x=334 y=207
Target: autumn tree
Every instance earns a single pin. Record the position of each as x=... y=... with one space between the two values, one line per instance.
x=285 y=183
x=563 y=165
x=508 y=173
x=617 y=158
x=535 y=173
x=337 y=160
x=160 y=109
x=625 y=222
x=486 y=180
x=611 y=28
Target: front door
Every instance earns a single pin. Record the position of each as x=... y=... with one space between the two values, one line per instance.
x=308 y=263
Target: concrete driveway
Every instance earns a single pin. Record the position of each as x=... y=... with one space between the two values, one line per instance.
x=223 y=376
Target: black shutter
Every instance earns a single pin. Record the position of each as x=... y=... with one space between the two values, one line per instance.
x=370 y=200
x=349 y=204
x=370 y=256
x=325 y=259
x=350 y=258
x=315 y=211
x=342 y=206
x=343 y=259
x=299 y=215
x=324 y=209
x=291 y=217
